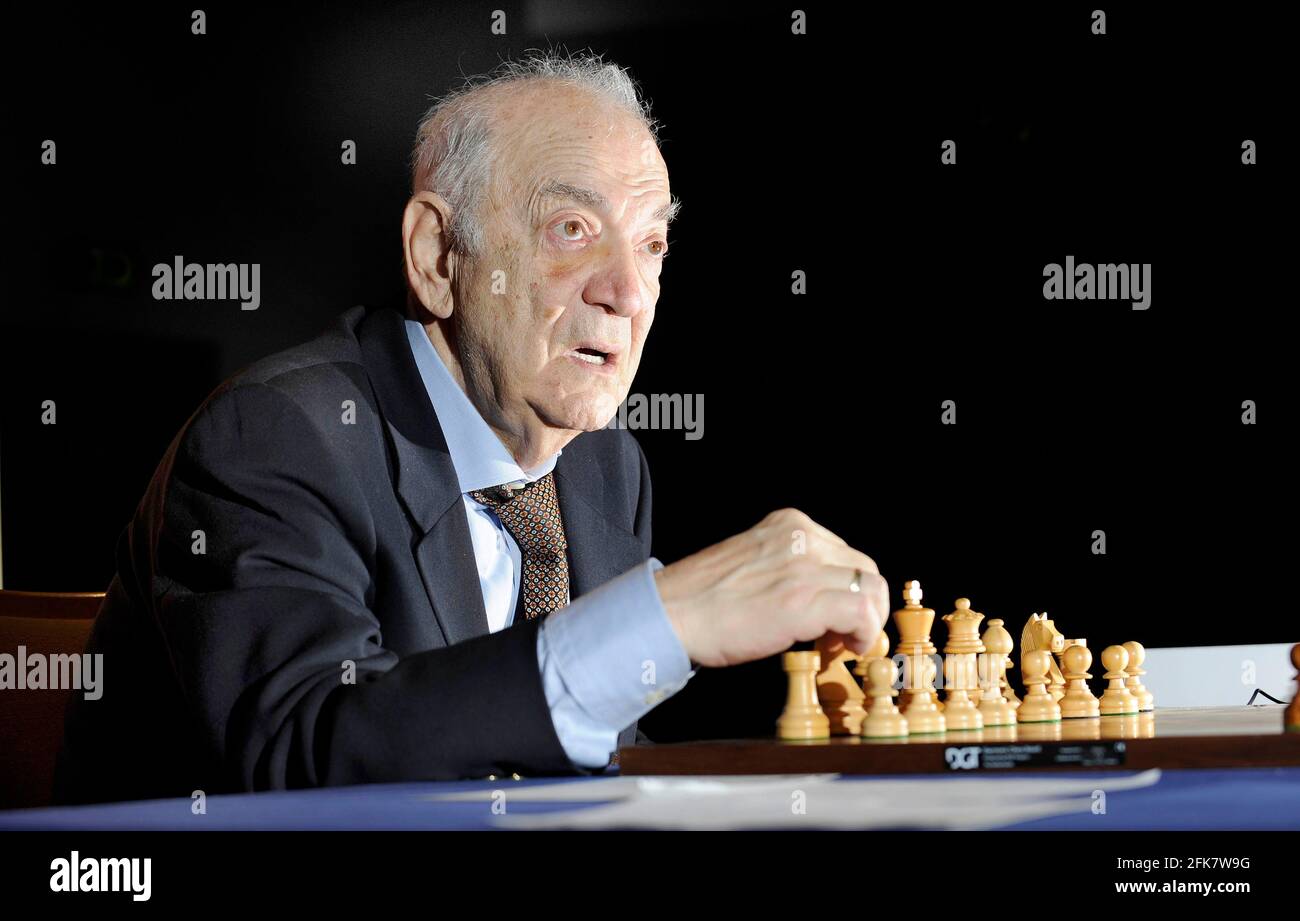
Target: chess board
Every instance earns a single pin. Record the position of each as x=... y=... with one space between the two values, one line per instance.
x=1216 y=737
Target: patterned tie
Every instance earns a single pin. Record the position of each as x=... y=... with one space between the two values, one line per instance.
x=532 y=516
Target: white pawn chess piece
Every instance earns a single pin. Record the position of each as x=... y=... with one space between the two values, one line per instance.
x=1117 y=698
x=883 y=719
x=1137 y=654
x=1038 y=705
x=1078 y=701
x=923 y=713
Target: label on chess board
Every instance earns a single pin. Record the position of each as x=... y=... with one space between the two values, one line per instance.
x=1002 y=757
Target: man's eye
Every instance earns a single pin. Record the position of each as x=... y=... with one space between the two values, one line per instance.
x=657 y=248
x=572 y=231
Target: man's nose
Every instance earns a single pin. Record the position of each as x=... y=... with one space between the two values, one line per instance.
x=617 y=286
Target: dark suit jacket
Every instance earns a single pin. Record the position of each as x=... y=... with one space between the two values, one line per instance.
x=324 y=543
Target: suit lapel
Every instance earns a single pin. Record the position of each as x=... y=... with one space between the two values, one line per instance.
x=426 y=479
x=599 y=549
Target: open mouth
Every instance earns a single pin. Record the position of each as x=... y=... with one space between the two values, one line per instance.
x=592 y=356
x=599 y=356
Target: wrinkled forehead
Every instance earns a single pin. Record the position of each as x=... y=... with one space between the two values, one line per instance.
x=547 y=131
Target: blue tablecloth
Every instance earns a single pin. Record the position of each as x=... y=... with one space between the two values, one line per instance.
x=1247 y=798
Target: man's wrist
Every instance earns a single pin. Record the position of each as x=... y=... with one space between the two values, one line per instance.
x=616 y=650
x=672 y=610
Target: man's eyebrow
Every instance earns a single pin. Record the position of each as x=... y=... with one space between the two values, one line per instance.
x=593 y=199
x=668 y=211
x=583 y=196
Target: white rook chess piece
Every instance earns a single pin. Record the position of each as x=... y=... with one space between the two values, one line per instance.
x=802 y=717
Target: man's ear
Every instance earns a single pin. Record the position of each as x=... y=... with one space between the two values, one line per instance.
x=426 y=243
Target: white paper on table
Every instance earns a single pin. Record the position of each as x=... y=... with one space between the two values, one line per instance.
x=724 y=803
x=609 y=789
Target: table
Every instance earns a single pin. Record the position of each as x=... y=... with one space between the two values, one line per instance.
x=1219 y=799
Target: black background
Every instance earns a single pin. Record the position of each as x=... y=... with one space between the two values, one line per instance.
x=816 y=152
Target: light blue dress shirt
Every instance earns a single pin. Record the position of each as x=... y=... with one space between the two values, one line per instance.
x=607 y=658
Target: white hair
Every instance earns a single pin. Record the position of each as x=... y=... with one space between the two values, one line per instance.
x=453 y=154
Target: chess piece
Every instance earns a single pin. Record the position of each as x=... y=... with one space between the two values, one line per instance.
x=976 y=690
x=837 y=690
x=1291 y=718
x=914 y=622
x=1059 y=690
x=1008 y=691
x=959 y=667
x=1137 y=654
x=1079 y=701
x=878 y=651
x=1116 y=699
x=995 y=707
x=1038 y=705
x=802 y=717
x=1041 y=633
x=883 y=720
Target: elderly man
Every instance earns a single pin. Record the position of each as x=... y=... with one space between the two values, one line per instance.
x=409 y=549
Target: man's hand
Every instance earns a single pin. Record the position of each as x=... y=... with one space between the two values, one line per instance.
x=786 y=579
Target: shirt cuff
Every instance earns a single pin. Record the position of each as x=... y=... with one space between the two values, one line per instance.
x=616 y=650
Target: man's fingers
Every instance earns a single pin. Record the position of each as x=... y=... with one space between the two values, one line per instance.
x=833 y=577
x=825 y=543
x=857 y=617
x=844 y=555
x=872 y=585
x=831 y=643
x=793 y=518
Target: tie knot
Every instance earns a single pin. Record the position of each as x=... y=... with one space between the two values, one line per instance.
x=531 y=513
x=495 y=496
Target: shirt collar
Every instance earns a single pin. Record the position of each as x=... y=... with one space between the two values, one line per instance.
x=478 y=455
